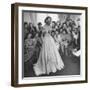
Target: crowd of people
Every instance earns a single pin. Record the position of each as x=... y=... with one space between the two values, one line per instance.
x=66 y=36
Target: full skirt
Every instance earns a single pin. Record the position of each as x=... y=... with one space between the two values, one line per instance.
x=49 y=58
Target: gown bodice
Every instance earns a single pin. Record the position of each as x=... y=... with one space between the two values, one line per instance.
x=47 y=28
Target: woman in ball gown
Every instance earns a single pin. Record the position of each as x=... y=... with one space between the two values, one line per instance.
x=49 y=58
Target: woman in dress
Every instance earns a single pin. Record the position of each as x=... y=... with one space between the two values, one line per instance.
x=49 y=58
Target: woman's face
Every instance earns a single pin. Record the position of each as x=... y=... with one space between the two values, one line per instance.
x=26 y=26
x=56 y=32
x=67 y=23
x=40 y=26
x=58 y=23
x=64 y=26
x=52 y=34
x=53 y=24
x=48 y=21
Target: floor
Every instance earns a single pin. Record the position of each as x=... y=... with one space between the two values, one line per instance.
x=72 y=67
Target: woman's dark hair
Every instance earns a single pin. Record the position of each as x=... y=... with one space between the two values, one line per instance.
x=52 y=32
x=39 y=23
x=47 y=18
x=25 y=23
x=54 y=23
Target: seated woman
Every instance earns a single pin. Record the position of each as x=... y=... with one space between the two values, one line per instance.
x=65 y=41
x=29 y=47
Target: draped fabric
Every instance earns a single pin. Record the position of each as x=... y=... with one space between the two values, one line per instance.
x=49 y=58
x=30 y=17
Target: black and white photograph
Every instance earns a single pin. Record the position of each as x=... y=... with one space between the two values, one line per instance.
x=49 y=44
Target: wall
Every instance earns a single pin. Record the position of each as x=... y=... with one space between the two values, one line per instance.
x=5 y=45
x=40 y=17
